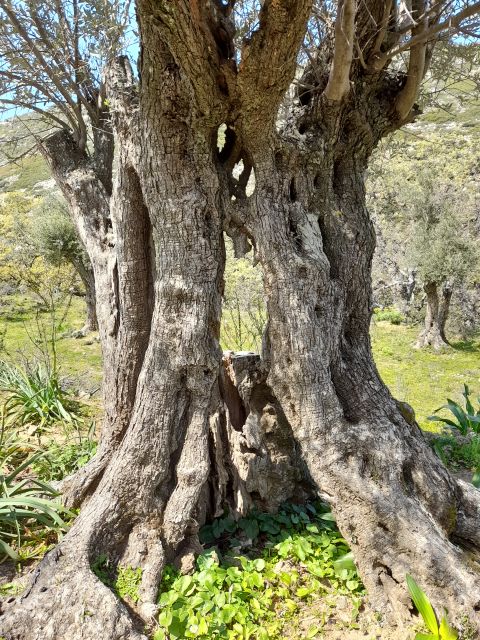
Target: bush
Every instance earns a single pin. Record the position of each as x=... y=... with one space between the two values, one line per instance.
x=388 y=315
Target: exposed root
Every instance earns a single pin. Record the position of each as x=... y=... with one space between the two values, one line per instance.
x=65 y=601
x=77 y=487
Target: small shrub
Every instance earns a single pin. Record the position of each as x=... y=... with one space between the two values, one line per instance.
x=388 y=315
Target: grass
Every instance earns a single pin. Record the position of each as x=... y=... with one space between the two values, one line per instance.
x=77 y=357
x=421 y=377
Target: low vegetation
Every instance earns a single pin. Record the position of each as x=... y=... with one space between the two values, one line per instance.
x=288 y=574
x=257 y=574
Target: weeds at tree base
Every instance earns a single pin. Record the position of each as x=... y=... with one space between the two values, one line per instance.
x=30 y=516
x=124 y=581
x=465 y=422
x=256 y=575
x=442 y=631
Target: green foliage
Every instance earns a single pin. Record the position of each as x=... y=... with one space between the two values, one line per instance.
x=244 y=314
x=437 y=632
x=124 y=581
x=34 y=395
x=61 y=460
x=465 y=420
x=54 y=234
x=28 y=509
x=388 y=315
x=128 y=582
x=10 y=589
x=298 y=555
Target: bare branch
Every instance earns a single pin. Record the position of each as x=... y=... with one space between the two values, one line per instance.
x=451 y=24
x=339 y=79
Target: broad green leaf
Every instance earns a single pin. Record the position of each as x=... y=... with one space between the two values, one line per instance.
x=423 y=605
x=165 y=618
x=7 y=549
x=345 y=562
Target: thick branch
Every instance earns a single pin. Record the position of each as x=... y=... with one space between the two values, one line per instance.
x=269 y=59
x=416 y=70
x=338 y=82
x=191 y=33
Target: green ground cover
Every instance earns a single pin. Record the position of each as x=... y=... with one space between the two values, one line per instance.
x=422 y=377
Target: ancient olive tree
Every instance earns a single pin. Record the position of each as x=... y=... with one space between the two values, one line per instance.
x=444 y=250
x=427 y=222
x=396 y=504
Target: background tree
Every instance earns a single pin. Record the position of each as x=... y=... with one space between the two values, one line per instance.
x=426 y=222
x=444 y=252
x=56 y=239
x=314 y=239
x=22 y=265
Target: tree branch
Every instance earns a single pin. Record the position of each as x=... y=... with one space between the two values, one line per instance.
x=339 y=79
x=269 y=59
x=452 y=24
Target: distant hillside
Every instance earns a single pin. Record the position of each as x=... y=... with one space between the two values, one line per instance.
x=17 y=137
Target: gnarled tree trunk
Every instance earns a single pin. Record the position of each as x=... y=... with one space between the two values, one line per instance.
x=396 y=504
x=433 y=334
x=169 y=254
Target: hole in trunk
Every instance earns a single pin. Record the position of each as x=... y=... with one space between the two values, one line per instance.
x=293 y=190
x=225 y=142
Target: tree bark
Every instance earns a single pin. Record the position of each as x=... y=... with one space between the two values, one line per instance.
x=142 y=511
x=433 y=334
x=396 y=504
